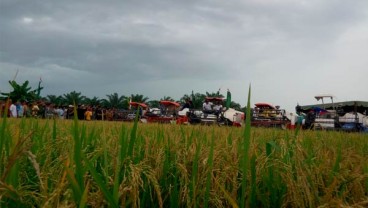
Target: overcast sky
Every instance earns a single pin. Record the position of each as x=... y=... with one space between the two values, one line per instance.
x=288 y=50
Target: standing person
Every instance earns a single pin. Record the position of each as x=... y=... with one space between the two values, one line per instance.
x=65 y=112
x=98 y=113
x=70 y=112
x=188 y=104
x=26 y=110
x=20 y=110
x=35 y=110
x=88 y=114
x=80 y=112
x=109 y=114
x=12 y=109
x=163 y=109
x=41 y=109
x=59 y=112
x=49 y=111
x=93 y=113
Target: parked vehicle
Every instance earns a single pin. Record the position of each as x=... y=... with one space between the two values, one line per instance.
x=218 y=115
x=267 y=115
x=345 y=116
x=129 y=115
x=167 y=113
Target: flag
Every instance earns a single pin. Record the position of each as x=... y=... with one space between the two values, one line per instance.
x=228 y=100
x=194 y=105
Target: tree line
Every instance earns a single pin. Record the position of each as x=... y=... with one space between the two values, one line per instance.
x=24 y=93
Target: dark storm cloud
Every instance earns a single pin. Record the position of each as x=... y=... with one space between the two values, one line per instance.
x=148 y=45
x=81 y=36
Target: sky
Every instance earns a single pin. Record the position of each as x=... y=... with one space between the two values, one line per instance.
x=288 y=51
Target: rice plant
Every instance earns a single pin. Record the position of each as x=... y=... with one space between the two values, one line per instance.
x=71 y=163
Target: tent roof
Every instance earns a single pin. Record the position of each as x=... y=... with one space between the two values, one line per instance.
x=135 y=104
x=363 y=104
x=265 y=105
x=214 y=98
x=167 y=102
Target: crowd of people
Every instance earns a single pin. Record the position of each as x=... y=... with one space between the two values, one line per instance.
x=46 y=110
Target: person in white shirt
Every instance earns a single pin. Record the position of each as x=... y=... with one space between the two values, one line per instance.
x=59 y=112
x=13 y=110
x=217 y=108
x=207 y=107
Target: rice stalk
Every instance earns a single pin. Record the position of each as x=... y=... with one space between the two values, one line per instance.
x=209 y=173
x=101 y=184
x=245 y=152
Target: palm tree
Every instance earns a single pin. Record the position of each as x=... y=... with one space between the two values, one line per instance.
x=139 y=98
x=74 y=98
x=168 y=98
x=235 y=105
x=214 y=94
x=153 y=103
x=95 y=101
x=115 y=101
x=58 y=100
x=185 y=97
x=198 y=100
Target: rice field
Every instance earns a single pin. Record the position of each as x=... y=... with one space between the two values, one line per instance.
x=65 y=163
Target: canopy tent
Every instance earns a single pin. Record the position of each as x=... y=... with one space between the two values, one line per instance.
x=213 y=99
x=348 y=106
x=167 y=103
x=136 y=104
x=318 y=110
x=265 y=106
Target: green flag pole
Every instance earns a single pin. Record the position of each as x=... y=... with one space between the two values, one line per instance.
x=228 y=99
x=39 y=88
x=193 y=100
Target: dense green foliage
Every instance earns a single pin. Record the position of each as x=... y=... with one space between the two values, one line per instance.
x=25 y=93
x=22 y=92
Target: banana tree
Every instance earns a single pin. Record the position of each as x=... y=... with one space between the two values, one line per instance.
x=21 y=92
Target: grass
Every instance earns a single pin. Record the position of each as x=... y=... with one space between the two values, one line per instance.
x=62 y=163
